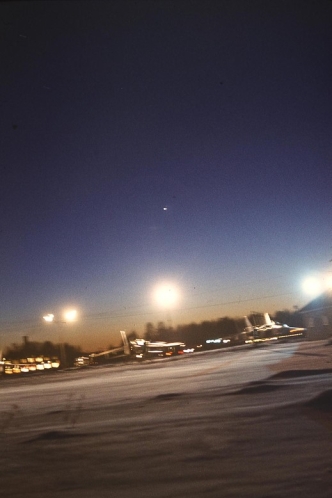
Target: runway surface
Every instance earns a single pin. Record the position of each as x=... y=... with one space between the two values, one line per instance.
x=237 y=422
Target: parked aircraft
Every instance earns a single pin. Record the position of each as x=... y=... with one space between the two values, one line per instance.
x=269 y=330
x=141 y=349
x=138 y=348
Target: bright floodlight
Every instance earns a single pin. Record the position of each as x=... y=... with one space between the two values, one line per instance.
x=312 y=286
x=70 y=315
x=166 y=295
x=329 y=282
x=49 y=317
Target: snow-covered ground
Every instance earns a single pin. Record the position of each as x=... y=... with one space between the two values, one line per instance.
x=218 y=424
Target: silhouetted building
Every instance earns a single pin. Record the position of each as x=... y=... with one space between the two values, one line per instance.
x=318 y=317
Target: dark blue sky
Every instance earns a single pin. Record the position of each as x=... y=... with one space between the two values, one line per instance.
x=112 y=111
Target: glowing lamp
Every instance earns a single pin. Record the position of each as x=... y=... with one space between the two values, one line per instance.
x=70 y=315
x=166 y=295
x=312 y=286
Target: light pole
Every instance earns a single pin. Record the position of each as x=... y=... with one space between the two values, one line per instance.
x=69 y=316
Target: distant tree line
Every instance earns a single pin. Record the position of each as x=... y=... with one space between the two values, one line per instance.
x=194 y=334
x=291 y=318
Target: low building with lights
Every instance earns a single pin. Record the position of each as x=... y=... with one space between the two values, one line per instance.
x=318 y=317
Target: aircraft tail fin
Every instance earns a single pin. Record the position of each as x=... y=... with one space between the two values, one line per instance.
x=267 y=319
x=249 y=326
x=126 y=347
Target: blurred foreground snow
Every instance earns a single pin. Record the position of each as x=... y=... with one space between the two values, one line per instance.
x=208 y=425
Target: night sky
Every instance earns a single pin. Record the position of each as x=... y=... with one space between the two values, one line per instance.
x=184 y=142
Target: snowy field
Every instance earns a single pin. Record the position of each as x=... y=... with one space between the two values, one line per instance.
x=215 y=424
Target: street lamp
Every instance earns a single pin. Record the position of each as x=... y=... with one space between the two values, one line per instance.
x=167 y=296
x=69 y=316
x=311 y=286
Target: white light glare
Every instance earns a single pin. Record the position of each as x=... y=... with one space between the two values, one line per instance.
x=312 y=286
x=49 y=317
x=329 y=282
x=166 y=295
x=70 y=315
